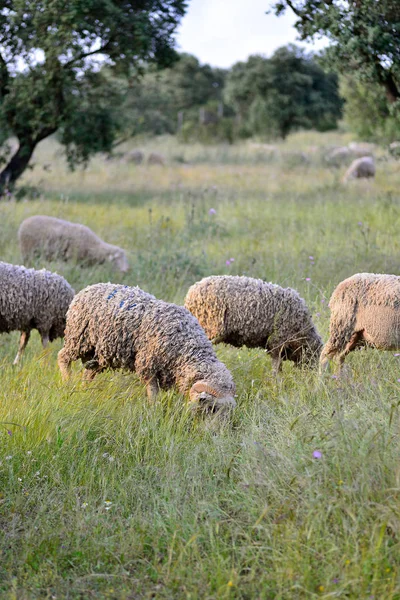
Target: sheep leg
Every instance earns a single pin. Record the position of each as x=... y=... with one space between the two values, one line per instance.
x=45 y=339
x=352 y=343
x=152 y=389
x=90 y=374
x=25 y=335
x=276 y=363
x=64 y=364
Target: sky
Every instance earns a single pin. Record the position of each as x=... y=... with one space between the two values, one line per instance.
x=222 y=32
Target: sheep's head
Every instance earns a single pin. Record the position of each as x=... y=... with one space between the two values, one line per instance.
x=119 y=260
x=205 y=397
x=308 y=352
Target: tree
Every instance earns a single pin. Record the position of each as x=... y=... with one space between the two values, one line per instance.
x=50 y=78
x=368 y=112
x=153 y=103
x=276 y=95
x=364 y=36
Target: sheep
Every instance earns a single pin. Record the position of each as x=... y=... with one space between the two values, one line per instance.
x=243 y=311
x=31 y=299
x=365 y=311
x=338 y=156
x=155 y=159
x=56 y=238
x=361 y=168
x=134 y=156
x=115 y=326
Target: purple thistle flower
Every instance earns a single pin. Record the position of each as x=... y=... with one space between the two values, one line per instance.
x=212 y=211
x=228 y=262
x=335 y=580
x=9 y=432
x=360 y=223
x=397 y=354
x=317 y=454
x=311 y=257
x=308 y=278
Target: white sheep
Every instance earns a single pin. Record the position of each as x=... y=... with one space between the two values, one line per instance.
x=243 y=311
x=361 y=168
x=120 y=327
x=55 y=238
x=31 y=299
x=365 y=311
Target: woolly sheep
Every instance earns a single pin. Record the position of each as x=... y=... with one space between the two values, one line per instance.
x=56 y=238
x=31 y=299
x=155 y=159
x=365 y=311
x=243 y=311
x=115 y=326
x=361 y=168
x=134 y=156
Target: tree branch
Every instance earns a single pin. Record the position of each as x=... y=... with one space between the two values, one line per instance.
x=4 y=76
x=83 y=55
x=298 y=12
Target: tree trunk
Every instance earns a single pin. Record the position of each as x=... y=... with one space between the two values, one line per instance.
x=17 y=165
x=392 y=91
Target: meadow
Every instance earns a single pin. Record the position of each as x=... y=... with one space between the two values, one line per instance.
x=103 y=495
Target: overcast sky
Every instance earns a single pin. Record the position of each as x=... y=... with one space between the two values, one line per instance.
x=222 y=32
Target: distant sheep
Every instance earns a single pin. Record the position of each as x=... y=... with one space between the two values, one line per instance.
x=243 y=311
x=361 y=168
x=31 y=299
x=339 y=156
x=134 y=156
x=114 y=326
x=58 y=239
x=365 y=311
x=156 y=159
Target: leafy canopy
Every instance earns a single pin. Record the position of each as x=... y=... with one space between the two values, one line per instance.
x=273 y=96
x=364 y=36
x=50 y=57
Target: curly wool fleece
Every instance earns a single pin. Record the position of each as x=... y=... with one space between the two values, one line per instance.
x=243 y=311
x=31 y=299
x=116 y=326
x=365 y=311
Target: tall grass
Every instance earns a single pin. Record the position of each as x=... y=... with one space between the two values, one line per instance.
x=103 y=495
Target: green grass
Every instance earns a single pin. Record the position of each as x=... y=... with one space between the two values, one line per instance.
x=103 y=495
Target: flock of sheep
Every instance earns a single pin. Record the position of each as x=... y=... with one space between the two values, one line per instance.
x=109 y=326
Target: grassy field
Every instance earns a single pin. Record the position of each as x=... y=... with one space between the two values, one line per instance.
x=105 y=496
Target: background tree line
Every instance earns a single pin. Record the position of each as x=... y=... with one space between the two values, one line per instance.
x=89 y=72
x=266 y=97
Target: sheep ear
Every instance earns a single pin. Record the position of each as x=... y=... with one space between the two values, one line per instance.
x=203 y=386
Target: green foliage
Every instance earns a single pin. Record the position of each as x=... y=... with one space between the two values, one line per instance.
x=286 y=92
x=367 y=111
x=58 y=45
x=153 y=103
x=364 y=37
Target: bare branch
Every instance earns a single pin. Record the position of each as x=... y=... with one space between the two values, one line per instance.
x=83 y=55
x=297 y=12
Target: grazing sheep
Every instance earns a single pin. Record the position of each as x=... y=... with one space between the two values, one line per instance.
x=394 y=149
x=31 y=299
x=134 y=156
x=338 y=156
x=115 y=326
x=365 y=311
x=360 y=169
x=360 y=149
x=243 y=311
x=156 y=159
x=55 y=238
